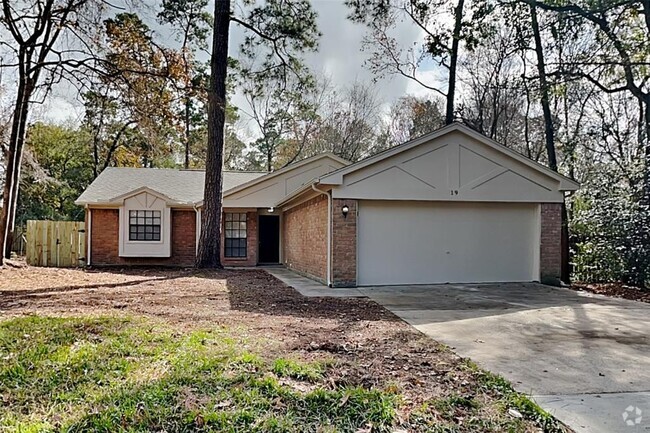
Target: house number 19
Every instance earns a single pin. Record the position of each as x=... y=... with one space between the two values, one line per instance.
x=454 y=192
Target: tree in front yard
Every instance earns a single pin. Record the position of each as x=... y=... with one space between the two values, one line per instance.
x=278 y=30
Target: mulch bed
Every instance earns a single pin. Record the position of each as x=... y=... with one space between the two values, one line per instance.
x=616 y=290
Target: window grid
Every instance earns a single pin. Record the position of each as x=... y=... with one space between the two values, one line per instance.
x=235 y=235
x=144 y=225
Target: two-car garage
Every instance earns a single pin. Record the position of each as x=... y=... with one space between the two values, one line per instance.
x=439 y=242
x=450 y=207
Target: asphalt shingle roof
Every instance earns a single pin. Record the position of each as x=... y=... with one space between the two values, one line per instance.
x=183 y=186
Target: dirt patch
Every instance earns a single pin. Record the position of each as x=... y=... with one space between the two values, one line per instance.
x=616 y=290
x=367 y=344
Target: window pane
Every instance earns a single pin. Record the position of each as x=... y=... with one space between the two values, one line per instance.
x=235 y=235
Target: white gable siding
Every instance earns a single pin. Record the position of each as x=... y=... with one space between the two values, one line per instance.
x=268 y=192
x=452 y=167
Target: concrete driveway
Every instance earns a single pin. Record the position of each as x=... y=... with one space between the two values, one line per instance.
x=584 y=358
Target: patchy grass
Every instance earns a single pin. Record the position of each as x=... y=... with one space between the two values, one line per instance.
x=503 y=390
x=296 y=370
x=229 y=351
x=109 y=374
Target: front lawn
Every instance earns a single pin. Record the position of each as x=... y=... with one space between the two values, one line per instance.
x=229 y=352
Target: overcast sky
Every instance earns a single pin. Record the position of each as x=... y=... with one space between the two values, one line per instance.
x=339 y=57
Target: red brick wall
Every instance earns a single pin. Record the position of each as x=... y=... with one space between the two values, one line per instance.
x=550 y=261
x=251 y=243
x=183 y=237
x=105 y=240
x=344 y=244
x=304 y=238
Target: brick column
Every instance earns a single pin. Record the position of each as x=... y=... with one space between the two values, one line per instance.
x=344 y=244
x=550 y=258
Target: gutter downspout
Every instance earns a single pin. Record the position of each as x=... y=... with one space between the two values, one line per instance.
x=89 y=234
x=329 y=232
x=197 y=229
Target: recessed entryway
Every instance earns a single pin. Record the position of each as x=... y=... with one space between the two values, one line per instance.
x=269 y=239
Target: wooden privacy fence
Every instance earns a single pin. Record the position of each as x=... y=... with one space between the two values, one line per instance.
x=55 y=243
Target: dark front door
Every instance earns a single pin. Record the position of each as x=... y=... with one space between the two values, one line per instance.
x=269 y=239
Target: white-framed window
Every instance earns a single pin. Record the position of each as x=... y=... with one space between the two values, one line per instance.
x=235 y=235
x=144 y=225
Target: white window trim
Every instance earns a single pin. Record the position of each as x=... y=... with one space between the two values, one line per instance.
x=128 y=228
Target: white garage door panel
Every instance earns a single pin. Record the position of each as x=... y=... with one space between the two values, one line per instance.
x=440 y=242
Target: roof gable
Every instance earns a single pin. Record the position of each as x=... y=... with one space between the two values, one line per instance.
x=565 y=184
x=268 y=190
x=452 y=164
x=138 y=191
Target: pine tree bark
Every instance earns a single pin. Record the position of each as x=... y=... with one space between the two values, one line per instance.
x=208 y=255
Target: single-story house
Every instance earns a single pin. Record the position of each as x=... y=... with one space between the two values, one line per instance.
x=450 y=206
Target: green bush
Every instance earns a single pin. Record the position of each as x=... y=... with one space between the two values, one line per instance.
x=611 y=236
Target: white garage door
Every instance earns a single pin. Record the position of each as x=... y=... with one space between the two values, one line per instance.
x=439 y=242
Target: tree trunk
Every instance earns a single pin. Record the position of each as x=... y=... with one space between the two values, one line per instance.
x=646 y=153
x=549 y=133
x=13 y=163
x=208 y=255
x=543 y=84
x=187 y=133
x=451 y=90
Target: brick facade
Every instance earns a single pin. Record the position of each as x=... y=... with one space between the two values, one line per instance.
x=105 y=240
x=304 y=238
x=550 y=259
x=344 y=244
x=251 y=242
